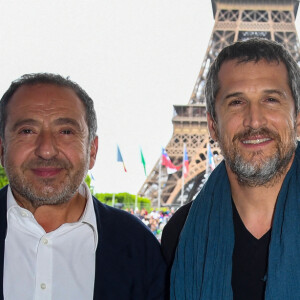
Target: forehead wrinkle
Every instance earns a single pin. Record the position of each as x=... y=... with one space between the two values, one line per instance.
x=51 y=108
x=38 y=107
x=50 y=104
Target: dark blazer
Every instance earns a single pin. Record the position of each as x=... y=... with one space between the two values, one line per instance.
x=129 y=264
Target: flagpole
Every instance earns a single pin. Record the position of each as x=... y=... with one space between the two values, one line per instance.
x=159 y=184
x=182 y=177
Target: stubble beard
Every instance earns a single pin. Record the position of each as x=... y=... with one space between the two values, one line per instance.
x=48 y=191
x=259 y=170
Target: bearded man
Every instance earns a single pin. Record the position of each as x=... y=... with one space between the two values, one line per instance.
x=240 y=238
x=56 y=240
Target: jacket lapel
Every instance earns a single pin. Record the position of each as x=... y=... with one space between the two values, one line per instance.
x=97 y=258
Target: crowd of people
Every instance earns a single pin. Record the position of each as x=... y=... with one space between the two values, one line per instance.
x=155 y=220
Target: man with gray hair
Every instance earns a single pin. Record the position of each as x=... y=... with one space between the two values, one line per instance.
x=240 y=238
x=56 y=240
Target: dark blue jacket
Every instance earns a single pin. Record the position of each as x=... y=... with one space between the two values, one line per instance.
x=129 y=264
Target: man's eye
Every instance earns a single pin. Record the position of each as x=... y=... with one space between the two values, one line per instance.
x=67 y=131
x=270 y=99
x=235 y=102
x=26 y=131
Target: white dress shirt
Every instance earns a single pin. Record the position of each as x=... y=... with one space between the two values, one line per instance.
x=59 y=265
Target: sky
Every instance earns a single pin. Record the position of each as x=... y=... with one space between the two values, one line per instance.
x=136 y=59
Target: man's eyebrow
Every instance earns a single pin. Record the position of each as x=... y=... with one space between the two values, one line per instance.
x=23 y=122
x=278 y=92
x=67 y=121
x=237 y=94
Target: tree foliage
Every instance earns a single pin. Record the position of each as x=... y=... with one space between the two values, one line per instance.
x=88 y=181
x=125 y=199
x=122 y=200
x=3 y=178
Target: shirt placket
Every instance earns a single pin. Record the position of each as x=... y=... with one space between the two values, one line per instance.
x=44 y=260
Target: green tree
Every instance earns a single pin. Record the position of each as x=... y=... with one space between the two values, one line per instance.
x=3 y=178
x=88 y=181
x=126 y=199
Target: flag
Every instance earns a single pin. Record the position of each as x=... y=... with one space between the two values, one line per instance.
x=143 y=161
x=120 y=158
x=185 y=162
x=166 y=161
x=210 y=158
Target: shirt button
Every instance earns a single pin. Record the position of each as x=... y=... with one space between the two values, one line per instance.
x=45 y=241
x=24 y=214
x=43 y=286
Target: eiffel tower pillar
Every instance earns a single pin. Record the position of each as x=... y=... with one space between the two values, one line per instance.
x=234 y=20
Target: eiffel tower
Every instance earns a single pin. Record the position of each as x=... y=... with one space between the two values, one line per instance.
x=234 y=20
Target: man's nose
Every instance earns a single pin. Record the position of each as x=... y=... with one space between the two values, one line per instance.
x=46 y=146
x=254 y=116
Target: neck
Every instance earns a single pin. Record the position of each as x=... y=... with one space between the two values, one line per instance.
x=256 y=205
x=50 y=217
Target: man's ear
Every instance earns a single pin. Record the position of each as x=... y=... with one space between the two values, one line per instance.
x=93 y=152
x=298 y=125
x=212 y=127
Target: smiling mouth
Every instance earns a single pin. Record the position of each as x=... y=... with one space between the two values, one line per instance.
x=256 y=141
x=46 y=172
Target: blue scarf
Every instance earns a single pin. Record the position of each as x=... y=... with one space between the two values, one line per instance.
x=202 y=267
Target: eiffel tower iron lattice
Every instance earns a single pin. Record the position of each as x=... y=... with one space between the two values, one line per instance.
x=234 y=20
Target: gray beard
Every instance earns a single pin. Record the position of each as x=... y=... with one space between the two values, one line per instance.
x=269 y=170
x=265 y=174
x=49 y=195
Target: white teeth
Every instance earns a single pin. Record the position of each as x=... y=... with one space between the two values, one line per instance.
x=257 y=141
